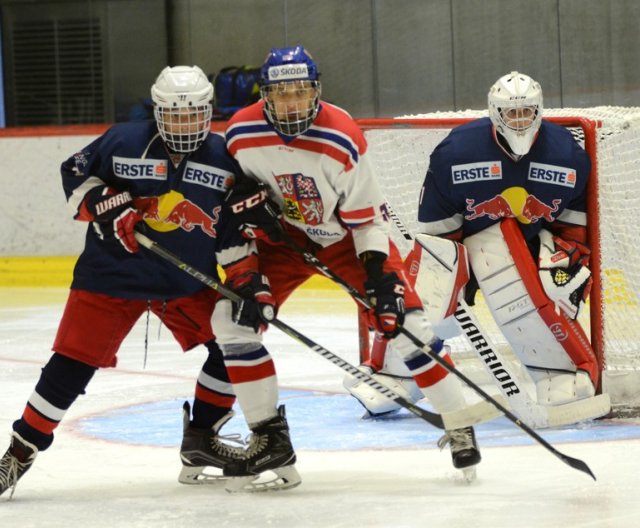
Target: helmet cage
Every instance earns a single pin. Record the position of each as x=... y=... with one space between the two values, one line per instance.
x=515 y=109
x=291 y=106
x=183 y=129
x=182 y=98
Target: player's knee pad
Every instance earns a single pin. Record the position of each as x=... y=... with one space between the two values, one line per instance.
x=229 y=333
x=417 y=324
x=63 y=379
x=446 y=395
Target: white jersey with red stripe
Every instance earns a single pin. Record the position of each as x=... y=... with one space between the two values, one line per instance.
x=322 y=179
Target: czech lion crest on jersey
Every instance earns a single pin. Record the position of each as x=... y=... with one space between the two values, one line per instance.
x=302 y=202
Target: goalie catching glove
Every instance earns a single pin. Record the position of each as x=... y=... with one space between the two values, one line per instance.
x=112 y=214
x=256 y=215
x=563 y=272
x=385 y=292
x=258 y=307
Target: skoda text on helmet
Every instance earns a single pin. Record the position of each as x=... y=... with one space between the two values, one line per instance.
x=182 y=98
x=290 y=89
x=515 y=109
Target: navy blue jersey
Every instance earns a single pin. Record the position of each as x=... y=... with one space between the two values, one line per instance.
x=472 y=183
x=182 y=207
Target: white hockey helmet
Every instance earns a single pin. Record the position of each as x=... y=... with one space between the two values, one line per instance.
x=515 y=109
x=182 y=105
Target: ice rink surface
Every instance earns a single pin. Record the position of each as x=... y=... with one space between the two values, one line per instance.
x=115 y=459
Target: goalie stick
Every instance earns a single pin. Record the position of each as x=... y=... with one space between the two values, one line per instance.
x=311 y=259
x=510 y=385
x=452 y=420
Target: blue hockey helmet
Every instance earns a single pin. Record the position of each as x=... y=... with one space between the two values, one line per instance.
x=290 y=89
x=288 y=64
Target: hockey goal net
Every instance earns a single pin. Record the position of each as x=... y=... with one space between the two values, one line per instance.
x=400 y=150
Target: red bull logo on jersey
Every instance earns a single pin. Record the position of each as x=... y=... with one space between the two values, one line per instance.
x=473 y=172
x=302 y=201
x=135 y=168
x=173 y=211
x=535 y=209
x=514 y=202
x=494 y=208
x=552 y=174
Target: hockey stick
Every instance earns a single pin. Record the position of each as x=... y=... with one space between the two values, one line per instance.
x=325 y=270
x=453 y=420
x=495 y=364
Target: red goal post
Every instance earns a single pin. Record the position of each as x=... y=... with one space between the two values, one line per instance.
x=400 y=148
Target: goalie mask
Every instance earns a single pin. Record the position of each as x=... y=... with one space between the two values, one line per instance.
x=182 y=98
x=290 y=89
x=515 y=109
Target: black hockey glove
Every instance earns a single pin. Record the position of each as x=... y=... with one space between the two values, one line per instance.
x=113 y=215
x=385 y=291
x=255 y=214
x=259 y=306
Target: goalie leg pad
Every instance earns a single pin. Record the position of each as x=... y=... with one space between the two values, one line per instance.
x=508 y=279
x=557 y=388
x=394 y=375
x=439 y=269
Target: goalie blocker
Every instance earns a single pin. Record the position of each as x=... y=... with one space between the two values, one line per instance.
x=552 y=347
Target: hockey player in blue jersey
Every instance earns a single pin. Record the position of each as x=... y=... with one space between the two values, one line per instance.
x=512 y=189
x=168 y=176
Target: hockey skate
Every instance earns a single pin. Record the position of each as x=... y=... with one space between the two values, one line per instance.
x=203 y=449
x=465 y=453
x=16 y=462
x=269 y=450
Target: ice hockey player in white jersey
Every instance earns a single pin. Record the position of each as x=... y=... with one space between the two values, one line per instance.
x=311 y=158
x=512 y=188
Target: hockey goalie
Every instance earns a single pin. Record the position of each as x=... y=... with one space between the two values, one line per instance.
x=503 y=210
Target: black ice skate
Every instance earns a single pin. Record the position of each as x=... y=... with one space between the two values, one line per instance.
x=15 y=462
x=465 y=453
x=205 y=448
x=269 y=450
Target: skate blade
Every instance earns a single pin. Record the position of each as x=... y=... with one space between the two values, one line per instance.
x=282 y=478
x=469 y=474
x=197 y=475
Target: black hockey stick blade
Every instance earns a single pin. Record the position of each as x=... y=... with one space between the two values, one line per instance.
x=576 y=463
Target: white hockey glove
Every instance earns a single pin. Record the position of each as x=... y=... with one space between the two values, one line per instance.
x=563 y=272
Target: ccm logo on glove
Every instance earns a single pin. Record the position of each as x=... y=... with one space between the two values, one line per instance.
x=250 y=201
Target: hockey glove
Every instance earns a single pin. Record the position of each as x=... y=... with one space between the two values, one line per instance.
x=563 y=272
x=113 y=216
x=386 y=294
x=258 y=307
x=255 y=214
x=571 y=252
